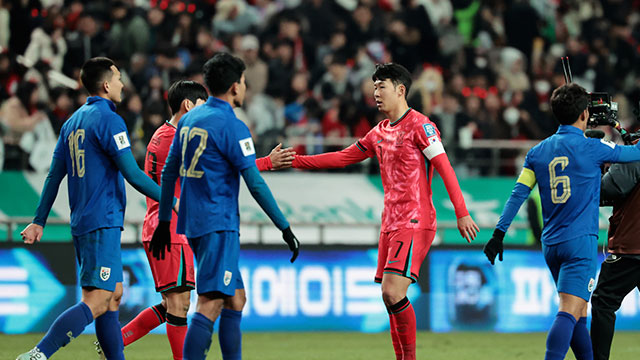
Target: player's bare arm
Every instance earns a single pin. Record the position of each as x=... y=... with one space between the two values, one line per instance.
x=281 y=158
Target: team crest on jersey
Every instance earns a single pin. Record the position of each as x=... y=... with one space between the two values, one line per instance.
x=122 y=140
x=608 y=143
x=247 y=146
x=227 y=278
x=592 y=284
x=429 y=129
x=105 y=273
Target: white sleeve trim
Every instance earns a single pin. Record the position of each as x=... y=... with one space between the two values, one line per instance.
x=433 y=150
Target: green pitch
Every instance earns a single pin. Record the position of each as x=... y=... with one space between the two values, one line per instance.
x=335 y=345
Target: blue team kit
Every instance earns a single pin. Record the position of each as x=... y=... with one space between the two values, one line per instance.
x=97 y=133
x=561 y=162
x=211 y=140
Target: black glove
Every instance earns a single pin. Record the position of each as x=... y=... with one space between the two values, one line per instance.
x=494 y=246
x=161 y=240
x=292 y=241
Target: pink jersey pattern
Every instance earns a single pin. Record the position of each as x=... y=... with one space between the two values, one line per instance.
x=157 y=152
x=404 y=149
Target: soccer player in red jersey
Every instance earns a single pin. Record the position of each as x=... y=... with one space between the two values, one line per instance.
x=174 y=275
x=408 y=148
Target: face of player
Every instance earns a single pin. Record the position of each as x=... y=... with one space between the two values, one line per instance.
x=240 y=90
x=386 y=95
x=114 y=85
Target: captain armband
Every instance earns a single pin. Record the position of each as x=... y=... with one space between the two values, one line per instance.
x=527 y=177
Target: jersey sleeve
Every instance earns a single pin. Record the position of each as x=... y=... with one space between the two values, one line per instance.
x=527 y=176
x=114 y=138
x=58 y=152
x=239 y=147
x=157 y=152
x=602 y=150
x=427 y=139
x=366 y=144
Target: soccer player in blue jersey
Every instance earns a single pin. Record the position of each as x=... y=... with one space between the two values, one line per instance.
x=210 y=151
x=566 y=167
x=93 y=151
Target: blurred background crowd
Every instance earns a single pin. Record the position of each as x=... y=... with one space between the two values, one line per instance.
x=483 y=70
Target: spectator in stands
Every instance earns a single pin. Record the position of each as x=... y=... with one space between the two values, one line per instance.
x=47 y=42
x=87 y=41
x=129 y=32
x=19 y=115
x=257 y=73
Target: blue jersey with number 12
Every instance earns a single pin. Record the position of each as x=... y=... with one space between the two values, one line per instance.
x=88 y=144
x=214 y=146
x=567 y=170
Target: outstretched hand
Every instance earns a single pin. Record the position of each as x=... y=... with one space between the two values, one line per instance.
x=281 y=158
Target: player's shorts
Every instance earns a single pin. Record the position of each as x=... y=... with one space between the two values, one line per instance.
x=217 y=255
x=573 y=265
x=98 y=254
x=175 y=271
x=402 y=252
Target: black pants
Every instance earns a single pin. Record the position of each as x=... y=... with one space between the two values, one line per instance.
x=618 y=277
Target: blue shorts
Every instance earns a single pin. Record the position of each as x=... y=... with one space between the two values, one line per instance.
x=573 y=265
x=98 y=254
x=217 y=255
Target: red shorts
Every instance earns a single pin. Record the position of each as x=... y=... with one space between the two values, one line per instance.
x=175 y=271
x=402 y=252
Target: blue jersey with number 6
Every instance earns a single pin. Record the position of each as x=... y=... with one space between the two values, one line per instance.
x=89 y=141
x=567 y=170
x=214 y=146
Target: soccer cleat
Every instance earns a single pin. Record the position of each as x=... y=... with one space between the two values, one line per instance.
x=101 y=355
x=33 y=354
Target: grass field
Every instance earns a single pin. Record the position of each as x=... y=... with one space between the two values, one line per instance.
x=333 y=345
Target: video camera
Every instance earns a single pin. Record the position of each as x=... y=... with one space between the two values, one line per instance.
x=602 y=110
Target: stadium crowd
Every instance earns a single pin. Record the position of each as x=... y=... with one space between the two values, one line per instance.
x=481 y=69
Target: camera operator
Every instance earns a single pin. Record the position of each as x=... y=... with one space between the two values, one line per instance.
x=620 y=272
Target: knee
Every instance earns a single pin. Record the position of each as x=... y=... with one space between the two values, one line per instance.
x=98 y=306
x=184 y=303
x=240 y=302
x=600 y=302
x=114 y=304
x=236 y=302
x=390 y=296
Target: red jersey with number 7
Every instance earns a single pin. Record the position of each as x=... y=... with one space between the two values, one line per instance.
x=408 y=150
x=405 y=149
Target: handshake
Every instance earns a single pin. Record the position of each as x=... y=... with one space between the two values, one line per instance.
x=161 y=241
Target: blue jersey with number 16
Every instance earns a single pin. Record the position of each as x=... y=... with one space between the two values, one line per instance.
x=567 y=170
x=88 y=144
x=215 y=146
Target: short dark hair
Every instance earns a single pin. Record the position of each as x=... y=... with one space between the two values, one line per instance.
x=94 y=72
x=222 y=71
x=568 y=102
x=185 y=90
x=397 y=73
